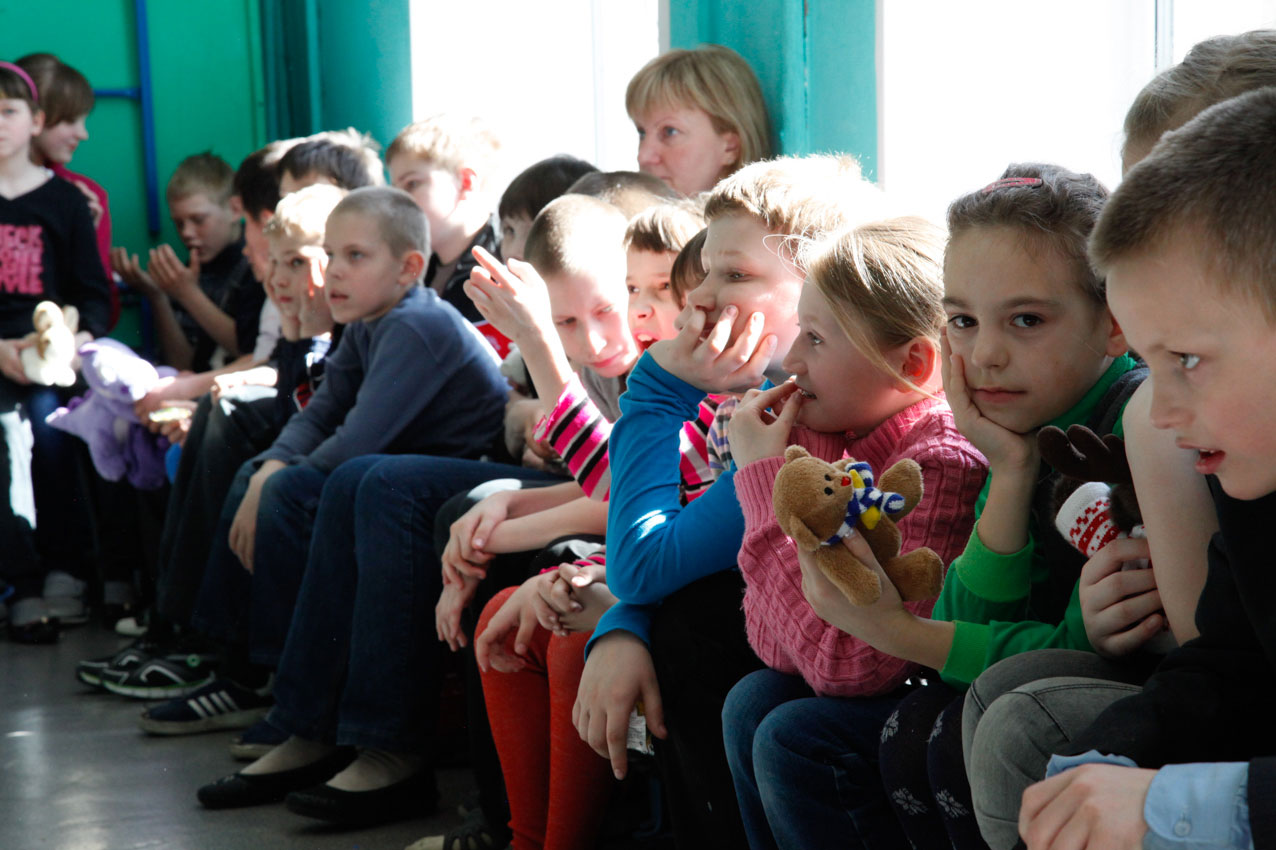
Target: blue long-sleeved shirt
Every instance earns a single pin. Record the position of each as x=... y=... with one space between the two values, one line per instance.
x=655 y=545
x=419 y=379
x=1200 y=806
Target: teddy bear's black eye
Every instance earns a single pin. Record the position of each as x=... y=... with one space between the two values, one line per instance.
x=828 y=477
x=828 y=491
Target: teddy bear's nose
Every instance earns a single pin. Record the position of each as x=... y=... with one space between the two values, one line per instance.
x=846 y=481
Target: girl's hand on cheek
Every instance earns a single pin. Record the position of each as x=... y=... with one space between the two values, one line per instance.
x=755 y=432
x=717 y=363
x=1004 y=449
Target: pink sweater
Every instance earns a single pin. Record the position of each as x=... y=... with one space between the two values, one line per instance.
x=783 y=629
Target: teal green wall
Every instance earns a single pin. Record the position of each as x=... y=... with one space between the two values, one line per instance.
x=366 y=72
x=816 y=60
x=206 y=97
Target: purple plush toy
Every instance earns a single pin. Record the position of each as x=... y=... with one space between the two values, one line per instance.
x=118 y=443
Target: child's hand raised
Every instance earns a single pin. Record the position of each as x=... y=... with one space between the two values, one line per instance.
x=169 y=273
x=756 y=432
x=1006 y=450
x=129 y=269
x=314 y=318
x=713 y=361
x=513 y=298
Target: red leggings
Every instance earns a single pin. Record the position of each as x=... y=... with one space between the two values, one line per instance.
x=558 y=787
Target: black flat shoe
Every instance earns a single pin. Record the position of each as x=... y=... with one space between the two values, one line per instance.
x=43 y=630
x=254 y=789
x=412 y=797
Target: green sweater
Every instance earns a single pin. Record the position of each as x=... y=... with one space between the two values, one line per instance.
x=987 y=596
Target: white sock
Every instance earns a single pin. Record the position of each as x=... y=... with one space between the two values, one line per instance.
x=293 y=753
x=375 y=769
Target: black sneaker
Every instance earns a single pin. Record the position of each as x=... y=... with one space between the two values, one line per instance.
x=220 y=704
x=90 y=670
x=160 y=678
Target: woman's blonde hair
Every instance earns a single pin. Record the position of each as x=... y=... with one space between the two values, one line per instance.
x=715 y=80
x=884 y=283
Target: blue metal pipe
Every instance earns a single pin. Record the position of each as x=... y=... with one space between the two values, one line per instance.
x=142 y=94
x=148 y=118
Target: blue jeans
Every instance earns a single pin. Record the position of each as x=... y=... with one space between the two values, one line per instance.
x=360 y=665
x=252 y=610
x=805 y=766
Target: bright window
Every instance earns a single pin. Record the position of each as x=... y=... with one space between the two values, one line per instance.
x=967 y=88
x=550 y=77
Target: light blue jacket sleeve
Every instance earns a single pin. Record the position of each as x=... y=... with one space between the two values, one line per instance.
x=1188 y=806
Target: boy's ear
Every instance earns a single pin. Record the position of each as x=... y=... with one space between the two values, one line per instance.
x=413 y=267
x=467 y=180
x=1116 y=337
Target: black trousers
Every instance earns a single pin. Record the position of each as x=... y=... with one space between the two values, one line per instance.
x=700 y=651
x=223 y=435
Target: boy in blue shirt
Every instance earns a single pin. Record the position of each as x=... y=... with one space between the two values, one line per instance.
x=409 y=375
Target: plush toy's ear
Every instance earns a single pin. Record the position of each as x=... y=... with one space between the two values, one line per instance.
x=843 y=464
x=71 y=316
x=904 y=477
x=795 y=452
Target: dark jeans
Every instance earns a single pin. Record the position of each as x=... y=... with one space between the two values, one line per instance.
x=805 y=766
x=361 y=661
x=223 y=435
x=47 y=523
x=251 y=611
x=700 y=651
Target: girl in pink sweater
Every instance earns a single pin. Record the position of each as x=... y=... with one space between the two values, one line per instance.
x=867 y=378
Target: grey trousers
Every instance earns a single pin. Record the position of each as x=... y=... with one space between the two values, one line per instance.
x=1021 y=711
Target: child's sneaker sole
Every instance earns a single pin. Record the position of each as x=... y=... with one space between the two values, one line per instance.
x=210 y=723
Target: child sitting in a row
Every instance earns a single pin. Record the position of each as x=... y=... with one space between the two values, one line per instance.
x=47 y=238
x=557 y=787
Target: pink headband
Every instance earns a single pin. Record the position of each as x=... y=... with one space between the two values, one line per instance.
x=1009 y=182
x=9 y=66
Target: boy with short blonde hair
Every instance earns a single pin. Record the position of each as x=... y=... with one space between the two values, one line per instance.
x=450 y=164
x=409 y=376
x=1187 y=248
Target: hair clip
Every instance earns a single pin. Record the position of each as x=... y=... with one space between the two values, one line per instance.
x=26 y=78
x=1011 y=182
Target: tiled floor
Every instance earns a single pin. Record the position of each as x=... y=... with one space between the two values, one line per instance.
x=76 y=774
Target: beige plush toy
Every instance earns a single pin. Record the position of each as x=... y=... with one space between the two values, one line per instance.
x=818 y=503
x=50 y=359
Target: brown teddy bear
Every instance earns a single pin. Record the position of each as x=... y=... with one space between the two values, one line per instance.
x=818 y=503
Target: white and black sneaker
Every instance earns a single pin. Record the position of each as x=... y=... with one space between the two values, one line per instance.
x=90 y=670
x=220 y=704
x=160 y=677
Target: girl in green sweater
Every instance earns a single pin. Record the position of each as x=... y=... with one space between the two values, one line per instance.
x=1029 y=342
